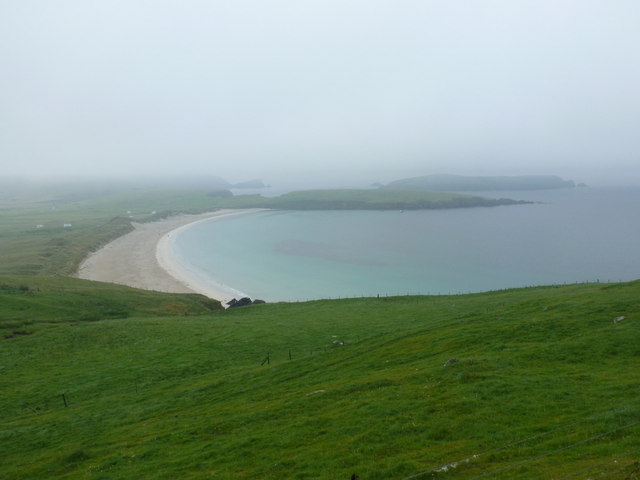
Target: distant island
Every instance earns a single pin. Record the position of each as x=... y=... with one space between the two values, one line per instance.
x=252 y=184
x=354 y=199
x=461 y=183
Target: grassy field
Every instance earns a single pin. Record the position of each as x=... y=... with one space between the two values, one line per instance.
x=99 y=381
x=545 y=385
x=30 y=303
x=34 y=239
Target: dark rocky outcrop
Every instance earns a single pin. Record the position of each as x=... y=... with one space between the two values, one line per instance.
x=243 y=302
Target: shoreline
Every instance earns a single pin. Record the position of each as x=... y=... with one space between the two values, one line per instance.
x=190 y=279
x=143 y=258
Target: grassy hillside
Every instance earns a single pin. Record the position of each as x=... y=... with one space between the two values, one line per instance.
x=545 y=385
x=34 y=240
x=28 y=303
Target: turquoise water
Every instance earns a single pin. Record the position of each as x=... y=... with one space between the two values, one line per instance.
x=576 y=235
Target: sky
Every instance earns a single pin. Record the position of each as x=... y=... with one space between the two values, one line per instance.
x=330 y=90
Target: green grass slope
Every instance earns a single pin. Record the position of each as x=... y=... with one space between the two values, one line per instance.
x=30 y=303
x=27 y=249
x=545 y=385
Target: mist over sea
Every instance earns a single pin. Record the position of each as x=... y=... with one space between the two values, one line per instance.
x=572 y=235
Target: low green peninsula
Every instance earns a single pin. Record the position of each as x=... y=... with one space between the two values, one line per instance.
x=347 y=199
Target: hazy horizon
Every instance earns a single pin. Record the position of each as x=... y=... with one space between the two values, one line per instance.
x=320 y=93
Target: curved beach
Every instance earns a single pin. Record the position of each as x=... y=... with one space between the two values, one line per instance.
x=143 y=258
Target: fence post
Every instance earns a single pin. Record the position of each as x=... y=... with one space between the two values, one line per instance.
x=267 y=360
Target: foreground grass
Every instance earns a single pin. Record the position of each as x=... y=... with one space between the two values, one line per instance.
x=546 y=385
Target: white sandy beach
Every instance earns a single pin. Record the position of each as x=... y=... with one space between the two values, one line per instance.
x=143 y=258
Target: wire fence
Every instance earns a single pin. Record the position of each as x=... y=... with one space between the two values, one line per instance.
x=448 y=292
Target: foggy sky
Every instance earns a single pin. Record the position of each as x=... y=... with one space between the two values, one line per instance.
x=297 y=88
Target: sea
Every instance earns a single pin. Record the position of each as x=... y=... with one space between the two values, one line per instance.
x=567 y=236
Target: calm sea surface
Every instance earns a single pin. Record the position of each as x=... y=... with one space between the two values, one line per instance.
x=574 y=235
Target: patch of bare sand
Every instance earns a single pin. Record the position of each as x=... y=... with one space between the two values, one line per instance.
x=142 y=258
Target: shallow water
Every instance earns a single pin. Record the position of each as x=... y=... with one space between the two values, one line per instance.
x=575 y=235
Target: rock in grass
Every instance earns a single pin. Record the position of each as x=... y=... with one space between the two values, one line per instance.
x=451 y=361
x=244 y=301
x=619 y=319
x=316 y=392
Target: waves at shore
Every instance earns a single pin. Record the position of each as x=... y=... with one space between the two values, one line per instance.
x=166 y=257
